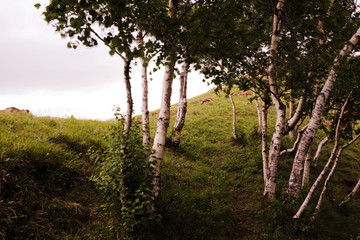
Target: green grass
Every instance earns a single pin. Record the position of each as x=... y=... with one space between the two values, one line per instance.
x=211 y=185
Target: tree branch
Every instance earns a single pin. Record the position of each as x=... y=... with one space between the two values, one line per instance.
x=107 y=44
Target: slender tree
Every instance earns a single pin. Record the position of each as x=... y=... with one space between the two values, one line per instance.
x=182 y=105
x=351 y=194
x=164 y=115
x=79 y=20
x=295 y=176
x=234 y=118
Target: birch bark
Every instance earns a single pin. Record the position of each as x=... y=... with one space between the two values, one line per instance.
x=290 y=150
x=274 y=151
x=306 y=172
x=258 y=110
x=182 y=105
x=145 y=92
x=234 y=118
x=164 y=116
x=292 y=133
x=295 y=176
x=129 y=102
x=318 y=151
x=264 y=141
x=317 y=181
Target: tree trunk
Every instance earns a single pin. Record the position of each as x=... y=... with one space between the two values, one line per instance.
x=164 y=117
x=145 y=92
x=292 y=133
x=264 y=141
x=182 y=105
x=317 y=181
x=317 y=209
x=234 y=118
x=295 y=143
x=129 y=111
x=145 y=108
x=318 y=151
x=258 y=110
x=348 y=197
x=336 y=144
x=274 y=150
x=306 y=172
x=295 y=176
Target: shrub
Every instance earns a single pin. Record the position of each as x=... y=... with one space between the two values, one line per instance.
x=123 y=175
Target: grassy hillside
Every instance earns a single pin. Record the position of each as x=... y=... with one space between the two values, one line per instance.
x=211 y=185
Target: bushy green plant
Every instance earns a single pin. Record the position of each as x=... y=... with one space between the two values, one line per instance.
x=124 y=176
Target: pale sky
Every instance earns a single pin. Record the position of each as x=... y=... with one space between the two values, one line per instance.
x=38 y=72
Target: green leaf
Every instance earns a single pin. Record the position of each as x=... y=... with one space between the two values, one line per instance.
x=37 y=5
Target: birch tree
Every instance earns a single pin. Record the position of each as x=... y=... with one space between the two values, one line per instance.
x=182 y=105
x=351 y=194
x=89 y=22
x=295 y=176
x=234 y=118
x=164 y=115
x=145 y=90
x=345 y=126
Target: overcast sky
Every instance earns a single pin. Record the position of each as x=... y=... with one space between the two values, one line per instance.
x=38 y=72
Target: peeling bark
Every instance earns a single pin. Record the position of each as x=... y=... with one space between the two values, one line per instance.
x=182 y=105
x=295 y=176
x=234 y=118
x=129 y=102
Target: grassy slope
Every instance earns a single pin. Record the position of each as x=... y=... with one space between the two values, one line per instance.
x=45 y=191
x=211 y=185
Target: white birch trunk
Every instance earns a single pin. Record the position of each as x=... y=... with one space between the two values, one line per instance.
x=292 y=133
x=348 y=197
x=234 y=118
x=306 y=172
x=162 y=126
x=164 y=118
x=145 y=92
x=274 y=150
x=145 y=108
x=318 y=151
x=295 y=143
x=317 y=209
x=182 y=105
x=336 y=144
x=264 y=141
x=295 y=176
x=315 y=184
x=258 y=110
x=129 y=102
